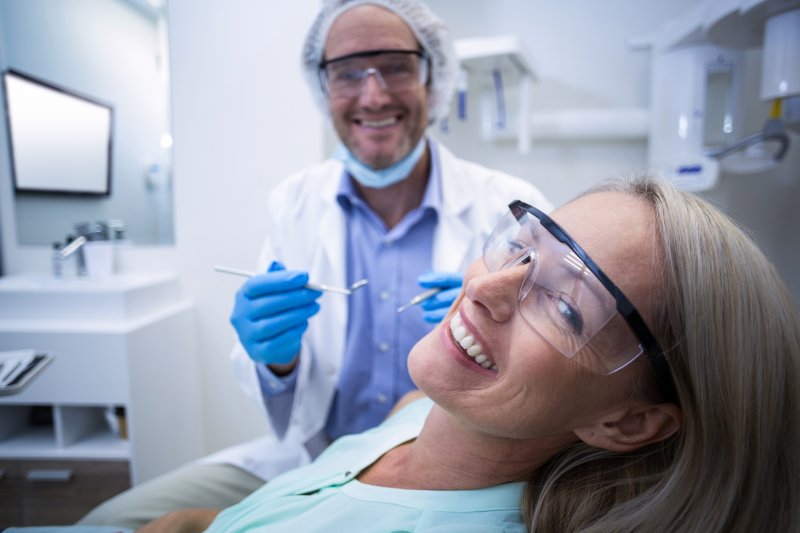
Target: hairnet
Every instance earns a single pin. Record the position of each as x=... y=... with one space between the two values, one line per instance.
x=430 y=31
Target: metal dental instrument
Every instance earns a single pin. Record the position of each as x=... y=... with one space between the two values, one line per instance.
x=419 y=298
x=314 y=286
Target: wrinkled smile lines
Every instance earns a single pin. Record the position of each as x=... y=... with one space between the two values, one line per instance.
x=468 y=343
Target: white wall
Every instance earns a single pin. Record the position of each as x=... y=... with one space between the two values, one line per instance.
x=581 y=60
x=242 y=120
x=82 y=46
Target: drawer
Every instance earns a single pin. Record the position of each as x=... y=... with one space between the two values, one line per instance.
x=54 y=500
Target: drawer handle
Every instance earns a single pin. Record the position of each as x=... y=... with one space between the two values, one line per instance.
x=61 y=475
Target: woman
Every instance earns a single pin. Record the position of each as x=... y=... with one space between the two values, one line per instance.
x=664 y=400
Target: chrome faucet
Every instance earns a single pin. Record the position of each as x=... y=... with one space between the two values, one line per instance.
x=70 y=249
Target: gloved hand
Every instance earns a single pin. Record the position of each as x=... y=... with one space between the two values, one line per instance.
x=271 y=314
x=435 y=308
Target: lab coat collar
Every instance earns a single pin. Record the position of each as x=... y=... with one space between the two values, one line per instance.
x=456 y=197
x=453 y=236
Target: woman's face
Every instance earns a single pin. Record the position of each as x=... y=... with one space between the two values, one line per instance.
x=526 y=388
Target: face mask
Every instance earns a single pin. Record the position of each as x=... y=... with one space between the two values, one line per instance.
x=378 y=179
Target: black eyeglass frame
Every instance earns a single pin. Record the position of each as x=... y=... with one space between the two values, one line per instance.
x=421 y=53
x=650 y=346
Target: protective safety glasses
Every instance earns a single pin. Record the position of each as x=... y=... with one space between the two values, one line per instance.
x=568 y=300
x=394 y=70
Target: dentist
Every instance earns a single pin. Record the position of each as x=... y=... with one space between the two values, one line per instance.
x=393 y=206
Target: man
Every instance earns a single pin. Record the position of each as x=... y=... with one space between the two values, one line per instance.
x=394 y=207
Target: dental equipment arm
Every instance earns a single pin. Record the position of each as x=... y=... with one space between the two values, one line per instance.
x=774 y=130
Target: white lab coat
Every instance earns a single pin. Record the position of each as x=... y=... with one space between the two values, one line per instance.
x=307 y=231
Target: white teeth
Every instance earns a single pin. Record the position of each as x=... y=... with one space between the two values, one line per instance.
x=468 y=344
x=379 y=123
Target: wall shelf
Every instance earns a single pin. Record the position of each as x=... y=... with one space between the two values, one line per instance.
x=505 y=55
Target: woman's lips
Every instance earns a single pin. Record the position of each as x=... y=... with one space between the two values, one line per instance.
x=466 y=343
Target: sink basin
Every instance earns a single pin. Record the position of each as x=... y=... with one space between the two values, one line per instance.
x=121 y=296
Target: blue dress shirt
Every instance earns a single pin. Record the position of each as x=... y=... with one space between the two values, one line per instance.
x=374 y=373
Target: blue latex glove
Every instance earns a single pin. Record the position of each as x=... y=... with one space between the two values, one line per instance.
x=435 y=308
x=271 y=314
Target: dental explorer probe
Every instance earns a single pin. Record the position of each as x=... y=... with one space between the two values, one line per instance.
x=314 y=286
x=419 y=298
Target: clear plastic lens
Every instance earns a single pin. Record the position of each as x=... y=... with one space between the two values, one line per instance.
x=395 y=72
x=560 y=297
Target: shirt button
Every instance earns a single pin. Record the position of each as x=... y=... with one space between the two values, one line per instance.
x=273 y=385
x=384 y=347
x=382 y=398
x=384 y=295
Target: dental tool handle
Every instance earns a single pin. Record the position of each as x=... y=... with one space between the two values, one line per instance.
x=234 y=271
x=328 y=288
x=419 y=298
x=313 y=286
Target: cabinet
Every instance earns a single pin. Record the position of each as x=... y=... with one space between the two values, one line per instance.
x=124 y=345
x=32 y=494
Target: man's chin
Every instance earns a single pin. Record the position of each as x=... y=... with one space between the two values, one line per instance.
x=378 y=160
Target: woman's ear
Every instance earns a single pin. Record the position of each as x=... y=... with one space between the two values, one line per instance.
x=631 y=428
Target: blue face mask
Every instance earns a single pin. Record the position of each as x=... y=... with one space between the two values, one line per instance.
x=378 y=179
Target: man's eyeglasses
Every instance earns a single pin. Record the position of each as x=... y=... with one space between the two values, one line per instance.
x=569 y=300
x=394 y=70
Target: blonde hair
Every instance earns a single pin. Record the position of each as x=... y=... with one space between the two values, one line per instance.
x=732 y=338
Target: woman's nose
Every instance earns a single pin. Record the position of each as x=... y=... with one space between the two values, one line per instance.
x=496 y=292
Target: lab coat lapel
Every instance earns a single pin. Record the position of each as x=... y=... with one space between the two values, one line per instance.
x=331 y=262
x=453 y=237
x=326 y=332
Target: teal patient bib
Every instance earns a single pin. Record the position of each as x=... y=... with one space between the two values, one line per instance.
x=325 y=496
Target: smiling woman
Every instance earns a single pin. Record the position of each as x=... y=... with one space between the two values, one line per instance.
x=536 y=435
x=111 y=52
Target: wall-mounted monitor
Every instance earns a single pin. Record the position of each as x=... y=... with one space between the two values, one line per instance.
x=60 y=140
